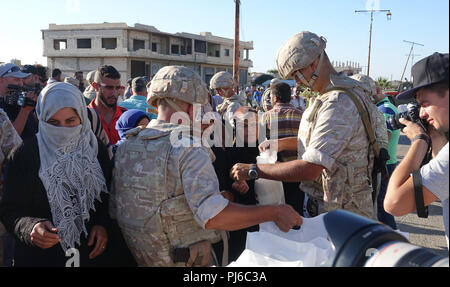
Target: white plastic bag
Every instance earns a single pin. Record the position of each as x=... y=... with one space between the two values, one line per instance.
x=270 y=247
x=268 y=191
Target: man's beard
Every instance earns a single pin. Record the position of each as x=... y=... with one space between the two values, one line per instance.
x=103 y=101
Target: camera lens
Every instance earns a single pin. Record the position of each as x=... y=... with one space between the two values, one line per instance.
x=400 y=254
x=359 y=241
x=393 y=122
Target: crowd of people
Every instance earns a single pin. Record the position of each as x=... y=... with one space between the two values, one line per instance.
x=162 y=171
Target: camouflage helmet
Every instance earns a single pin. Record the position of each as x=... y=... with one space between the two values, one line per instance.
x=222 y=80
x=367 y=82
x=177 y=82
x=298 y=52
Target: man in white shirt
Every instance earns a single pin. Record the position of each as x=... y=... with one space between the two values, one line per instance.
x=298 y=101
x=431 y=85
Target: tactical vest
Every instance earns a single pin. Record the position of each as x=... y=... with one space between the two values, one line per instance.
x=152 y=210
x=348 y=186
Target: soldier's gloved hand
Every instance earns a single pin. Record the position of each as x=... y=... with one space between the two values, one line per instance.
x=240 y=186
x=200 y=254
x=286 y=218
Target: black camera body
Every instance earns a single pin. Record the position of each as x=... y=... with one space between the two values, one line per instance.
x=18 y=95
x=24 y=101
x=411 y=114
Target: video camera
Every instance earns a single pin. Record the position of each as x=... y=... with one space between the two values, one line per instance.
x=409 y=112
x=17 y=95
x=359 y=241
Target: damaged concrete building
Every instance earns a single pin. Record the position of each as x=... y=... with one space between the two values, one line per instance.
x=139 y=50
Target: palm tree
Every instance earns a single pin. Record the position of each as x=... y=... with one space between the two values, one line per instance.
x=383 y=82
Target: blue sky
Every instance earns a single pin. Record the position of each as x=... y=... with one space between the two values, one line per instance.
x=267 y=23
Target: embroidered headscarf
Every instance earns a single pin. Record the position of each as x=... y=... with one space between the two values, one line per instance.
x=69 y=169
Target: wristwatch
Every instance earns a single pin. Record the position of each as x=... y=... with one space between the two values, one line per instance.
x=422 y=137
x=253 y=173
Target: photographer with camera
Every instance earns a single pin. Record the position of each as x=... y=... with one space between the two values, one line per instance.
x=17 y=101
x=11 y=76
x=413 y=186
x=32 y=78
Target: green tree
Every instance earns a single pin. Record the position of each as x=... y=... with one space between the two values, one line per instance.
x=383 y=82
x=273 y=72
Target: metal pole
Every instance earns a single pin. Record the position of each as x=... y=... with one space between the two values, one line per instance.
x=370 y=42
x=410 y=52
x=401 y=78
x=236 y=48
x=412 y=64
x=370 y=35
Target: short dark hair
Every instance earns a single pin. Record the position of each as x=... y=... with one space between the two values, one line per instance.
x=107 y=72
x=56 y=73
x=41 y=72
x=439 y=87
x=282 y=91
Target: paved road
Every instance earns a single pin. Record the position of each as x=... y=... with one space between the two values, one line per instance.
x=427 y=232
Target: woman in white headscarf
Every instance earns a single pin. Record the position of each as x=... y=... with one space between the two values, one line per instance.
x=56 y=186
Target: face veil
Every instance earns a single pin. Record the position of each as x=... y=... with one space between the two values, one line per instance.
x=69 y=169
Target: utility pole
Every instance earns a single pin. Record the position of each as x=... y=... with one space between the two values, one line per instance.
x=410 y=52
x=412 y=61
x=236 y=47
x=388 y=14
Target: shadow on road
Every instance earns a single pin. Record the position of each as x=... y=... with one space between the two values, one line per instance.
x=419 y=230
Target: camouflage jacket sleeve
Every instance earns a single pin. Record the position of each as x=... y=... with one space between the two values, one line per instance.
x=229 y=113
x=200 y=185
x=9 y=138
x=336 y=125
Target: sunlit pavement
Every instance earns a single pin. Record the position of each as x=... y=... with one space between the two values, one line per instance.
x=427 y=232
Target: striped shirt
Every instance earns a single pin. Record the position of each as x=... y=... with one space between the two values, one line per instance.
x=97 y=129
x=286 y=119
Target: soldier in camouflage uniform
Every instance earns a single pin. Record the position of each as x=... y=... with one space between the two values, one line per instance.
x=223 y=83
x=9 y=142
x=381 y=132
x=335 y=157
x=371 y=92
x=166 y=190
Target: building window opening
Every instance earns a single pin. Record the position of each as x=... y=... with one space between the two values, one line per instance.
x=189 y=47
x=60 y=44
x=109 y=43
x=175 y=49
x=200 y=46
x=138 y=44
x=83 y=43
